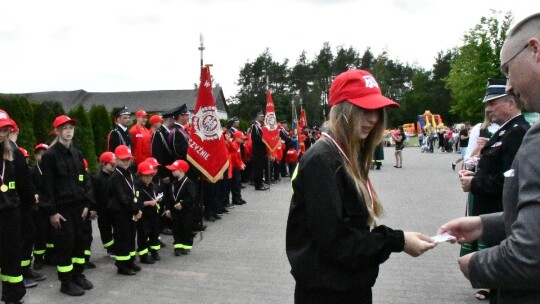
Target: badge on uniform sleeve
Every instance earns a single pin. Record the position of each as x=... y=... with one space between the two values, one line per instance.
x=11 y=185
x=81 y=177
x=497 y=144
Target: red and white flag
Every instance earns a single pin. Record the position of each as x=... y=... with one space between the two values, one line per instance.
x=207 y=151
x=270 y=134
x=303 y=121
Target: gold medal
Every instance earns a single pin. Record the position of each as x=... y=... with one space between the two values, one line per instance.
x=4 y=188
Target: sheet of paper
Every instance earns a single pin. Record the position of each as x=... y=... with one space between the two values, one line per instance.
x=445 y=237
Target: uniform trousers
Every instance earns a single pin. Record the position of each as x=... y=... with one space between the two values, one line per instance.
x=27 y=236
x=70 y=242
x=323 y=296
x=105 y=226
x=87 y=227
x=43 y=233
x=211 y=199
x=225 y=189
x=124 y=238
x=259 y=162
x=148 y=231
x=10 y=255
x=182 y=232
x=236 y=185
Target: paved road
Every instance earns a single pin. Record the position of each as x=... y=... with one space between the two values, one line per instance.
x=241 y=259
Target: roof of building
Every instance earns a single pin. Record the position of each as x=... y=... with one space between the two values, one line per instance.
x=150 y=101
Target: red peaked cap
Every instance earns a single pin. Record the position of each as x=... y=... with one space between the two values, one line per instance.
x=41 y=146
x=146 y=168
x=24 y=152
x=153 y=161
x=360 y=88
x=181 y=165
x=5 y=120
x=123 y=152
x=155 y=119
x=107 y=158
x=63 y=119
x=140 y=113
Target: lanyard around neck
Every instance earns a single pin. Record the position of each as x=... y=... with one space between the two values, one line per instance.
x=179 y=189
x=131 y=186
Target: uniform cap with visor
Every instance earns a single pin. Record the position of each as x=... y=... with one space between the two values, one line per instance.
x=63 y=119
x=5 y=120
x=155 y=119
x=123 y=152
x=496 y=88
x=146 y=168
x=181 y=165
x=41 y=147
x=361 y=89
x=107 y=158
x=141 y=113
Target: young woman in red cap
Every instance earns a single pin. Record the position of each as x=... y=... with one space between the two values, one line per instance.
x=66 y=196
x=181 y=206
x=333 y=243
x=14 y=179
x=124 y=204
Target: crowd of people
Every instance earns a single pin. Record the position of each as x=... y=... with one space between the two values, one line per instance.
x=145 y=187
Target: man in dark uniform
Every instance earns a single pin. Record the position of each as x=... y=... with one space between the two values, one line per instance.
x=259 y=160
x=233 y=124
x=161 y=149
x=120 y=135
x=486 y=184
x=284 y=135
x=179 y=136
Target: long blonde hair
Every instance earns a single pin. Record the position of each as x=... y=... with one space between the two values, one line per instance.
x=342 y=125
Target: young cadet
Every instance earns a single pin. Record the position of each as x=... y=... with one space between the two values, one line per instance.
x=13 y=178
x=123 y=198
x=41 y=219
x=100 y=181
x=148 y=226
x=66 y=196
x=181 y=206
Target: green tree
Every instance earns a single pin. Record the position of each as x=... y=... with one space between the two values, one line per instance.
x=20 y=110
x=46 y=111
x=477 y=60
x=101 y=126
x=441 y=94
x=84 y=137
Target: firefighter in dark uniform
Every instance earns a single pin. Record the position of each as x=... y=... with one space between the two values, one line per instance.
x=179 y=136
x=100 y=182
x=120 y=135
x=41 y=219
x=14 y=179
x=284 y=135
x=66 y=198
x=180 y=198
x=161 y=150
x=232 y=125
x=148 y=226
x=496 y=157
x=123 y=202
x=259 y=160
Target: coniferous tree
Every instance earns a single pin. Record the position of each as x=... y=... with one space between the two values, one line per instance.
x=46 y=112
x=101 y=126
x=84 y=137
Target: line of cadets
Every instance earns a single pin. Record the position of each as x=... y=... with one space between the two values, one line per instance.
x=131 y=200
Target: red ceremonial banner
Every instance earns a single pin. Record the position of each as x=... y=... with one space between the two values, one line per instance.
x=270 y=134
x=303 y=121
x=207 y=151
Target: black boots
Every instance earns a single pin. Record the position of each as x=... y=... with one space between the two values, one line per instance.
x=155 y=255
x=146 y=259
x=71 y=289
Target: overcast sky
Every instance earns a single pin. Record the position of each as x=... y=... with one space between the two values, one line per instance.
x=121 y=45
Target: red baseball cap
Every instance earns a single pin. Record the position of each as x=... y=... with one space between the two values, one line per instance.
x=153 y=161
x=41 y=146
x=5 y=120
x=239 y=134
x=24 y=152
x=15 y=126
x=107 y=158
x=181 y=165
x=360 y=88
x=63 y=119
x=155 y=119
x=123 y=152
x=140 y=113
x=146 y=168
